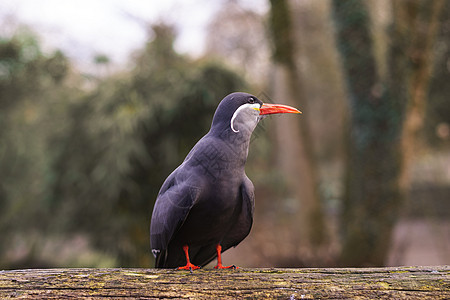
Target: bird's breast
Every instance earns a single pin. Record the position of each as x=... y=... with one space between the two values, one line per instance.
x=219 y=163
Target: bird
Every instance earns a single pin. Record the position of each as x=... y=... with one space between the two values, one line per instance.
x=206 y=205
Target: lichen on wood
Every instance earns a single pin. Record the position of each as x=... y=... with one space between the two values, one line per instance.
x=243 y=283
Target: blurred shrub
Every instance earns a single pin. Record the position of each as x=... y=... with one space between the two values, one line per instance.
x=98 y=158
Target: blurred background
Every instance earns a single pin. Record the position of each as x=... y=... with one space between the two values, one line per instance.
x=100 y=101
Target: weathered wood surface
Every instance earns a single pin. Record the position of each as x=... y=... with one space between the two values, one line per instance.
x=371 y=283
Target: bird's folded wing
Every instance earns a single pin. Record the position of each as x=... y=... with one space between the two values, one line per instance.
x=241 y=228
x=171 y=209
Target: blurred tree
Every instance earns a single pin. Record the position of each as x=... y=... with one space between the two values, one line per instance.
x=30 y=86
x=380 y=102
x=323 y=86
x=89 y=163
x=237 y=35
x=126 y=137
x=102 y=59
x=417 y=23
x=438 y=108
x=294 y=152
x=103 y=63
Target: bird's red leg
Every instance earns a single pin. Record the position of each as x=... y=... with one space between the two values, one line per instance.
x=219 y=260
x=188 y=265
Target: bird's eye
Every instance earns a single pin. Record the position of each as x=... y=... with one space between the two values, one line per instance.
x=251 y=100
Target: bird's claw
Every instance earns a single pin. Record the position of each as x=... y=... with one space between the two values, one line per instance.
x=226 y=267
x=189 y=267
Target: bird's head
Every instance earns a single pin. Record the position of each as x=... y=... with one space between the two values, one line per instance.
x=241 y=112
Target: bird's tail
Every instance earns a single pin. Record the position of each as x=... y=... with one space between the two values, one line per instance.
x=160 y=258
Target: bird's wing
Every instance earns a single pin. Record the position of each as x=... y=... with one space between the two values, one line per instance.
x=175 y=200
x=243 y=224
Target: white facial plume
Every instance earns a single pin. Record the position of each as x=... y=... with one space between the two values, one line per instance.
x=247 y=115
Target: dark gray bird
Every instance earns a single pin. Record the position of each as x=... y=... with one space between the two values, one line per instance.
x=206 y=205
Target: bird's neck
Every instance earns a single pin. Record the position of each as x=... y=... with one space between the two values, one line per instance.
x=234 y=143
x=235 y=134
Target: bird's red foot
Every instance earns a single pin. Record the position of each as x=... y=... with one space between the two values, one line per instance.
x=220 y=266
x=219 y=260
x=189 y=267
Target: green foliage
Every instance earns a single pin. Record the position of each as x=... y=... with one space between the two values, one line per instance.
x=30 y=84
x=92 y=162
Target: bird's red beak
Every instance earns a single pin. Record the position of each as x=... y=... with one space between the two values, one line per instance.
x=269 y=109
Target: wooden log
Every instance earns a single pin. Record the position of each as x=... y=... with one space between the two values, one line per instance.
x=243 y=283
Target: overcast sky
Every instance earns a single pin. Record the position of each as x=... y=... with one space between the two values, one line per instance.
x=83 y=28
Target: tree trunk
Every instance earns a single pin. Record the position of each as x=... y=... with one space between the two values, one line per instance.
x=418 y=22
x=372 y=197
x=294 y=152
x=379 y=105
